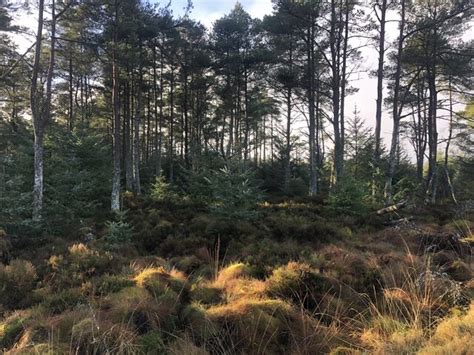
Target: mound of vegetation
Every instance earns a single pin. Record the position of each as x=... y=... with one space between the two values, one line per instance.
x=264 y=285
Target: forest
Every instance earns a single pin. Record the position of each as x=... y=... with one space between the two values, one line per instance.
x=174 y=187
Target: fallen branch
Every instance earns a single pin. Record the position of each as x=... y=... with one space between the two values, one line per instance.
x=397 y=222
x=392 y=208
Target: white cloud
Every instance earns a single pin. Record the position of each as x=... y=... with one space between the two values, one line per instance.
x=260 y=8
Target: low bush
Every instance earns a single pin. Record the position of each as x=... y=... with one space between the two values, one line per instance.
x=119 y=231
x=59 y=301
x=91 y=337
x=158 y=280
x=299 y=283
x=453 y=335
x=11 y=330
x=205 y=294
x=17 y=280
x=151 y=343
x=113 y=283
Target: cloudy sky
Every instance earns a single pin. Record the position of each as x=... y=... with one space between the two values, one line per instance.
x=207 y=11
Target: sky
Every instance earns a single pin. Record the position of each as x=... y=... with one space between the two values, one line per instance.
x=208 y=11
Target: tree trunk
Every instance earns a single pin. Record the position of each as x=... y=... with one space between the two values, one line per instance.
x=433 y=133
x=38 y=121
x=380 y=76
x=71 y=95
x=379 y=102
x=395 y=112
x=313 y=183
x=171 y=148
x=127 y=139
x=343 y=77
x=335 y=85
x=136 y=140
x=115 y=198
x=448 y=142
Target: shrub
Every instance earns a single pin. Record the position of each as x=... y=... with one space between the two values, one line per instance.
x=186 y=346
x=236 y=282
x=163 y=191
x=58 y=302
x=204 y=294
x=11 y=329
x=299 y=283
x=348 y=198
x=5 y=247
x=81 y=262
x=257 y=326
x=158 y=280
x=234 y=193
x=91 y=337
x=18 y=280
x=454 y=335
x=232 y=271
x=113 y=283
x=135 y=306
x=151 y=343
x=118 y=231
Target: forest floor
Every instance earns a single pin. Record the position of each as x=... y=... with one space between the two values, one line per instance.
x=293 y=279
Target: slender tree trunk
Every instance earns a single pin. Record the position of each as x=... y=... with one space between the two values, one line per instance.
x=336 y=97
x=448 y=142
x=41 y=112
x=379 y=101
x=286 y=179
x=287 y=171
x=343 y=76
x=38 y=121
x=115 y=199
x=127 y=137
x=185 y=112
x=147 y=140
x=380 y=77
x=313 y=183
x=420 y=132
x=246 y=116
x=396 y=118
x=160 y=133
x=137 y=122
x=171 y=149
x=432 y=129
x=71 y=95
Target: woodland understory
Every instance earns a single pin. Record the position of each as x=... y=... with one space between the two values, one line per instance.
x=167 y=188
